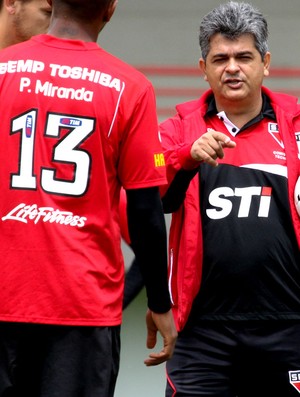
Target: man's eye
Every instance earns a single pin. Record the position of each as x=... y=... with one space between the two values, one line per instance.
x=218 y=60
x=246 y=57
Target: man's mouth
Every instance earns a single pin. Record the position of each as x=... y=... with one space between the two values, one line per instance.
x=233 y=83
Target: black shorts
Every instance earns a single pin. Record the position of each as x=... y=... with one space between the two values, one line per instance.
x=246 y=359
x=58 y=361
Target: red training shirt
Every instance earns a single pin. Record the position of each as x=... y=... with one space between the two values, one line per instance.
x=76 y=124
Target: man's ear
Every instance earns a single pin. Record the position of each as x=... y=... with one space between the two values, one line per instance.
x=267 y=62
x=110 y=11
x=10 y=5
x=202 y=67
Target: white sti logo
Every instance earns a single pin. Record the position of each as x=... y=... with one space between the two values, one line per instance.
x=221 y=199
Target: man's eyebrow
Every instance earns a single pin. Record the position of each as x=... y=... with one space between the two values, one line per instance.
x=235 y=54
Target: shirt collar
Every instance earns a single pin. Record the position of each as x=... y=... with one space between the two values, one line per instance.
x=266 y=111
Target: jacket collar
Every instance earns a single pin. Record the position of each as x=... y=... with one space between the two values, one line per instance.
x=288 y=103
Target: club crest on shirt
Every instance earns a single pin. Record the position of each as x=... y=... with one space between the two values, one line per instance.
x=274 y=131
x=295 y=379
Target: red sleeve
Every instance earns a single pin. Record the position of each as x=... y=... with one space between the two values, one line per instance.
x=141 y=162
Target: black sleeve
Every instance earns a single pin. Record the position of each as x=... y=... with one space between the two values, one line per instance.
x=175 y=194
x=148 y=235
x=134 y=283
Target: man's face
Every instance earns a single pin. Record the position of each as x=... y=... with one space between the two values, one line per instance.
x=234 y=68
x=31 y=18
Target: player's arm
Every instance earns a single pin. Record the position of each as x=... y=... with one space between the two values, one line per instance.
x=208 y=148
x=148 y=237
x=175 y=194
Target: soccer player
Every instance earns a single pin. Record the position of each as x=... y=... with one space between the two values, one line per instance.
x=77 y=123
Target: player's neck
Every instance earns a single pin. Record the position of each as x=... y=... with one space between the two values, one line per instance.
x=240 y=113
x=66 y=29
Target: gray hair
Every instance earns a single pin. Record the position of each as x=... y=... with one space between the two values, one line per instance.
x=232 y=20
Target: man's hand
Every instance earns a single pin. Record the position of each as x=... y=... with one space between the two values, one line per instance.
x=164 y=323
x=209 y=147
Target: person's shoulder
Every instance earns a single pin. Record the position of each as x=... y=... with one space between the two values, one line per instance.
x=14 y=51
x=288 y=103
x=187 y=109
x=13 y=48
x=126 y=72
